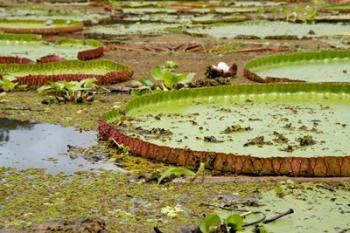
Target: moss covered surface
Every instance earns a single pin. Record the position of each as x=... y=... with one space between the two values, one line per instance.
x=29 y=107
x=125 y=203
x=37 y=197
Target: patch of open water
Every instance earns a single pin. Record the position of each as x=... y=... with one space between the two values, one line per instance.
x=25 y=145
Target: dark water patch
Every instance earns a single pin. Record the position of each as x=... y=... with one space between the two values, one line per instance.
x=26 y=145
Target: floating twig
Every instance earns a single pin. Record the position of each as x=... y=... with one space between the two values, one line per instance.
x=290 y=211
x=22 y=109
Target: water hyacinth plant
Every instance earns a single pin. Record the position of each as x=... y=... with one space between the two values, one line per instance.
x=74 y=91
x=216 y=223
x=8 y=83
x=168 y=78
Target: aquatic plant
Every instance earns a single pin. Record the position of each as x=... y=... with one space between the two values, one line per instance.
x=180 y=171
x=232 y=223
x=8 y=83
x=306 y=14
x=74 y=91
x=168 y=78
x=216 y=223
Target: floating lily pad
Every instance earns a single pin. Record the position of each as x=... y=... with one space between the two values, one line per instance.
x=104 y=71
x=218 y=19
x=54 y=13
x=274 y=129
x=317 y=208
x=39 y=26
x=324 y=66
x=158 y=18
x=131 y=29
x=268 y=29
x=232 y=10
x=148 y=10
x=33 y=47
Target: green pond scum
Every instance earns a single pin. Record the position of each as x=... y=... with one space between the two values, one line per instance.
x=126 y=203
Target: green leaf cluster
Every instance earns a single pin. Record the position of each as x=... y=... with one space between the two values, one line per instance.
x=73 y=91
x=168 y=78
x=8 y=83
x=214 y=222
x=180 y=171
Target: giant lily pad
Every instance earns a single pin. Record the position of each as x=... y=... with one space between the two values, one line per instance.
x=148 y=10
x=39 y=26
x=51 y=13
x=290 y=129
x=323 y=66
x=105 y=72
x=270 y=29
x=317 y=208
x=118 y=30
x=183 y=19
x=32 y=47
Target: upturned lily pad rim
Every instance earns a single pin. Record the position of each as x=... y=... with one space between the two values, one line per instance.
x=289 y=58
x=62 y=65
x=339 y=7
x=20 y=37
x=321 y=166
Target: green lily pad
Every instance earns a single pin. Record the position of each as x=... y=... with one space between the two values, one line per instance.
x=33 y=47
x=317 y=208
x=131 y=29
x=263 y=29
x=52 y=13
x=324 y=66
x=276 y=119
x=39 y=26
